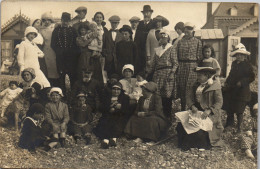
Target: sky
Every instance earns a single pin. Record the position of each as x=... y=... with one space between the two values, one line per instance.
x=194 y=12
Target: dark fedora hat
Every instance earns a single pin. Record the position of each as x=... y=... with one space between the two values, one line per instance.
x=147 y=8
x=66 y=16
x=126 y=28
x=164 y=21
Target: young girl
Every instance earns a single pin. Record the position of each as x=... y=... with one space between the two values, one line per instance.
x=8 y=95
x=209 y=57
x=96 y=43
x=137 y=93
x=57 y=115
x=81 y=118
x=28 y=56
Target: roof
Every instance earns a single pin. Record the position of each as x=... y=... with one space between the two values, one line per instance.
x=14 y=20
x=209 y=34
x=243 y=26
x=243 y=9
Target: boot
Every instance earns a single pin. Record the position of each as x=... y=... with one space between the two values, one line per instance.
x=62 y=142
x=230 y=120
x=239 y=122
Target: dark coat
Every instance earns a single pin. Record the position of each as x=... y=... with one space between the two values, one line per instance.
x=145 y=28
x=140 y=43
x=109 y=51
x=126 y=53
x=240 y=72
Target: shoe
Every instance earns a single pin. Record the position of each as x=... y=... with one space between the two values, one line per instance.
x=62 y=142
x=104 y=145
x=112 y=143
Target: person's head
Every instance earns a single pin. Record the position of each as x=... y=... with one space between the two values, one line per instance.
x=179 y=28
x=83 y=29
x=204 y=72
x=37 y=23
x=164 y=38
x=140 y=76
x=148 y=89
x=56 y=94
x=36 y=111
x=13 y=85
x=30 y=33
x=47 y=19
x=93 y=26
x=28 y=74
x=208 y=51
x=81 y=11
x=114 y=79
x=189 y=29
x=134 y=21
x=128 y=71
x=240 y=53
x=81 y=97
x=114 y=21
x=160 y=21
x=87 y=75
x=117 y=89
x=99 y=18
x=65 y=19
x=147 y=12
x=126 y=32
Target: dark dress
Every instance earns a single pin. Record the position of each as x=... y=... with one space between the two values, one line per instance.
x=151 y=127
x=112 y=124
x=126 y=53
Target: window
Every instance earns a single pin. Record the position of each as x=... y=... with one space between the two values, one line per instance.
x=6 y=49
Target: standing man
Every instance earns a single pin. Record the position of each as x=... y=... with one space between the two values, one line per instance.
x=63 y=42
x=109 y=47
x=80 y=18
x=189 y=53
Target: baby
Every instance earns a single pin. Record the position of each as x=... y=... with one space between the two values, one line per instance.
x=96 y=44
x=8 y=95
x=137 y=93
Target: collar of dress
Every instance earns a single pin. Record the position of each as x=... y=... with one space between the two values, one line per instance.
x=160 y=50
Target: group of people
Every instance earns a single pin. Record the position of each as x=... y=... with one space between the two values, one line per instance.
x=131 y=76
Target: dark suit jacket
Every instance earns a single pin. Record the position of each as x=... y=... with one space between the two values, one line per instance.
x=140 y=43
x=145 y=28
x=109 y=49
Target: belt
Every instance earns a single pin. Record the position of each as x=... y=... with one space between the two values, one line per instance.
x=188 y=61
x=166 y=67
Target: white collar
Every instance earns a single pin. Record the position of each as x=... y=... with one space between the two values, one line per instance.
x=159 y=50
x=83 y=20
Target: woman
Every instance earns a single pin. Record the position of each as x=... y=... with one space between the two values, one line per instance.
x=164 y=66
x=99 y=19
x=153 y=37
x=115 y=115
x=206 y=97
x=50 y=56
x=40 y=42
x=237 y=86
x=28 y=76
x=148 y=122
x=28 y=56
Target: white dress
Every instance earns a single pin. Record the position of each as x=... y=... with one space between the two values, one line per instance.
x=28 y=58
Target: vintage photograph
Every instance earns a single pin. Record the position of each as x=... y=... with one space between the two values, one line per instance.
x=90 y=84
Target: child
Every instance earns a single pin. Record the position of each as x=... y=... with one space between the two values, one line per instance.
x=57 y=114
x=8 y=95
x=137 y=93
x=28 y=56
x=96 y=44
x=82 y=118
x=209 y=57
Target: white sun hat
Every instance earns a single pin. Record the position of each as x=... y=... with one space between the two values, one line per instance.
x=240 y=48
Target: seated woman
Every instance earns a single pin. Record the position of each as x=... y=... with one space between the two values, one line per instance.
x=148 y=122
x=35 y=130
x=115 y=115
x=207 y=98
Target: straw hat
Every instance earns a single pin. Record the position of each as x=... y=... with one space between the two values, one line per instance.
x=240 y=48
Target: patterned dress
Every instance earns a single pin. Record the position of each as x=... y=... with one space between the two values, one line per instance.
x=189 y=53
x=165 y=62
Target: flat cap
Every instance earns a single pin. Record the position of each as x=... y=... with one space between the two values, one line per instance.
x=81 y=8
x=189 y=24
x=114 y=18
x=134 y=19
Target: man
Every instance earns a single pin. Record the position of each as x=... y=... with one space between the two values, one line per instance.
x=138 y=39
x=63 y=42
x=109 y=47
x=189 y=54
x=89 y=86
x=80 y=18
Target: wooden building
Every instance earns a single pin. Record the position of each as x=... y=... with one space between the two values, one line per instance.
x=239 y=23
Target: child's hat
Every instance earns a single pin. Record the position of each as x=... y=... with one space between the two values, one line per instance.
x=30 y=70
x=118 y=85
x=81 y=94
x=240 y=48
x=30 y=29
x=56 y=89
x=128 y=66
x=126 y=28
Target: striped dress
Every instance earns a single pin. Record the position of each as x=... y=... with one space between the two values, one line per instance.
x=189 y=53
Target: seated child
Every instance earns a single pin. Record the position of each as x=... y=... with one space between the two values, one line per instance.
x=82 y=118
x=35 y=131
x=249 y=138
x=96 y=44
x=137 y=93
x=57 y=115
x=8 y=95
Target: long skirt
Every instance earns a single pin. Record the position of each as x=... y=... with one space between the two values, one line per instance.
x=151 y=127
x=200 y=139
x=110 y=126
